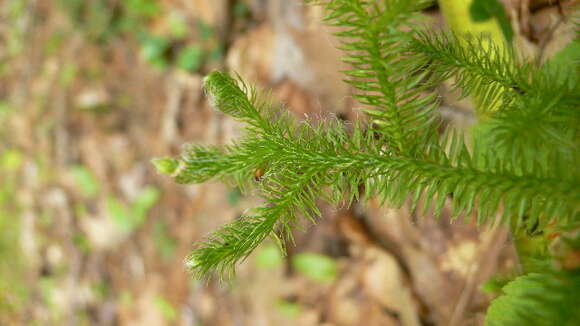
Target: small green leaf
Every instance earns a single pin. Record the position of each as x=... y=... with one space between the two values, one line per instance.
x=177 y=25
x=5 y=108
x=129 y=219
x=241 y=9
x=11 y=160
x=68 y=74
x=154 y=49
x=217 y=54
x=164 y=242
x=205 y=30
x=126 y=298
x=289 y=309
x=85 y=180
x=145 y=200
x=120 y=214
x=315 y=266
x=168 y=311
x=190 y=58
x=269 y=257
x=81 y=242
x=143 y=8
x=101 y=289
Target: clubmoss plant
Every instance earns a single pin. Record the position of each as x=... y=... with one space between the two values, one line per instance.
x=519 y=167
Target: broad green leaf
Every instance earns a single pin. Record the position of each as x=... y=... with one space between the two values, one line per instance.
x=483 y=10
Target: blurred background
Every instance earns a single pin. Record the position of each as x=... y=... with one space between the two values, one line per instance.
x=91 y=90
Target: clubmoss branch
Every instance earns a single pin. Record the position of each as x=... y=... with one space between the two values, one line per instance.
x=519 y=166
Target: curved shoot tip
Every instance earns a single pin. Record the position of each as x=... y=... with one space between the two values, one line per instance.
x=191 y=263
x=227 y=95
x=212 y=77
x=212 y=84
x=165 y=165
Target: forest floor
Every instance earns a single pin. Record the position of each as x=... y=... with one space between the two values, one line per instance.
x=90 y=234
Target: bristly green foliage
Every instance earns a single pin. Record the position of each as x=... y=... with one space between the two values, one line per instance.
x=374 y=44
x=400 y=156
x=301 y=160
x=538 y=300
x=481 y=69
x=530 y=123
x=296 y=157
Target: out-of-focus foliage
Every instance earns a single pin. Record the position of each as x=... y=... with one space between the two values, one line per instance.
x=316 y=267
x=13 y=275
x=538 y=300
x=179 y=45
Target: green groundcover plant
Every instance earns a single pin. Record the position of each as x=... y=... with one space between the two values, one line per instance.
x=518 y=166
